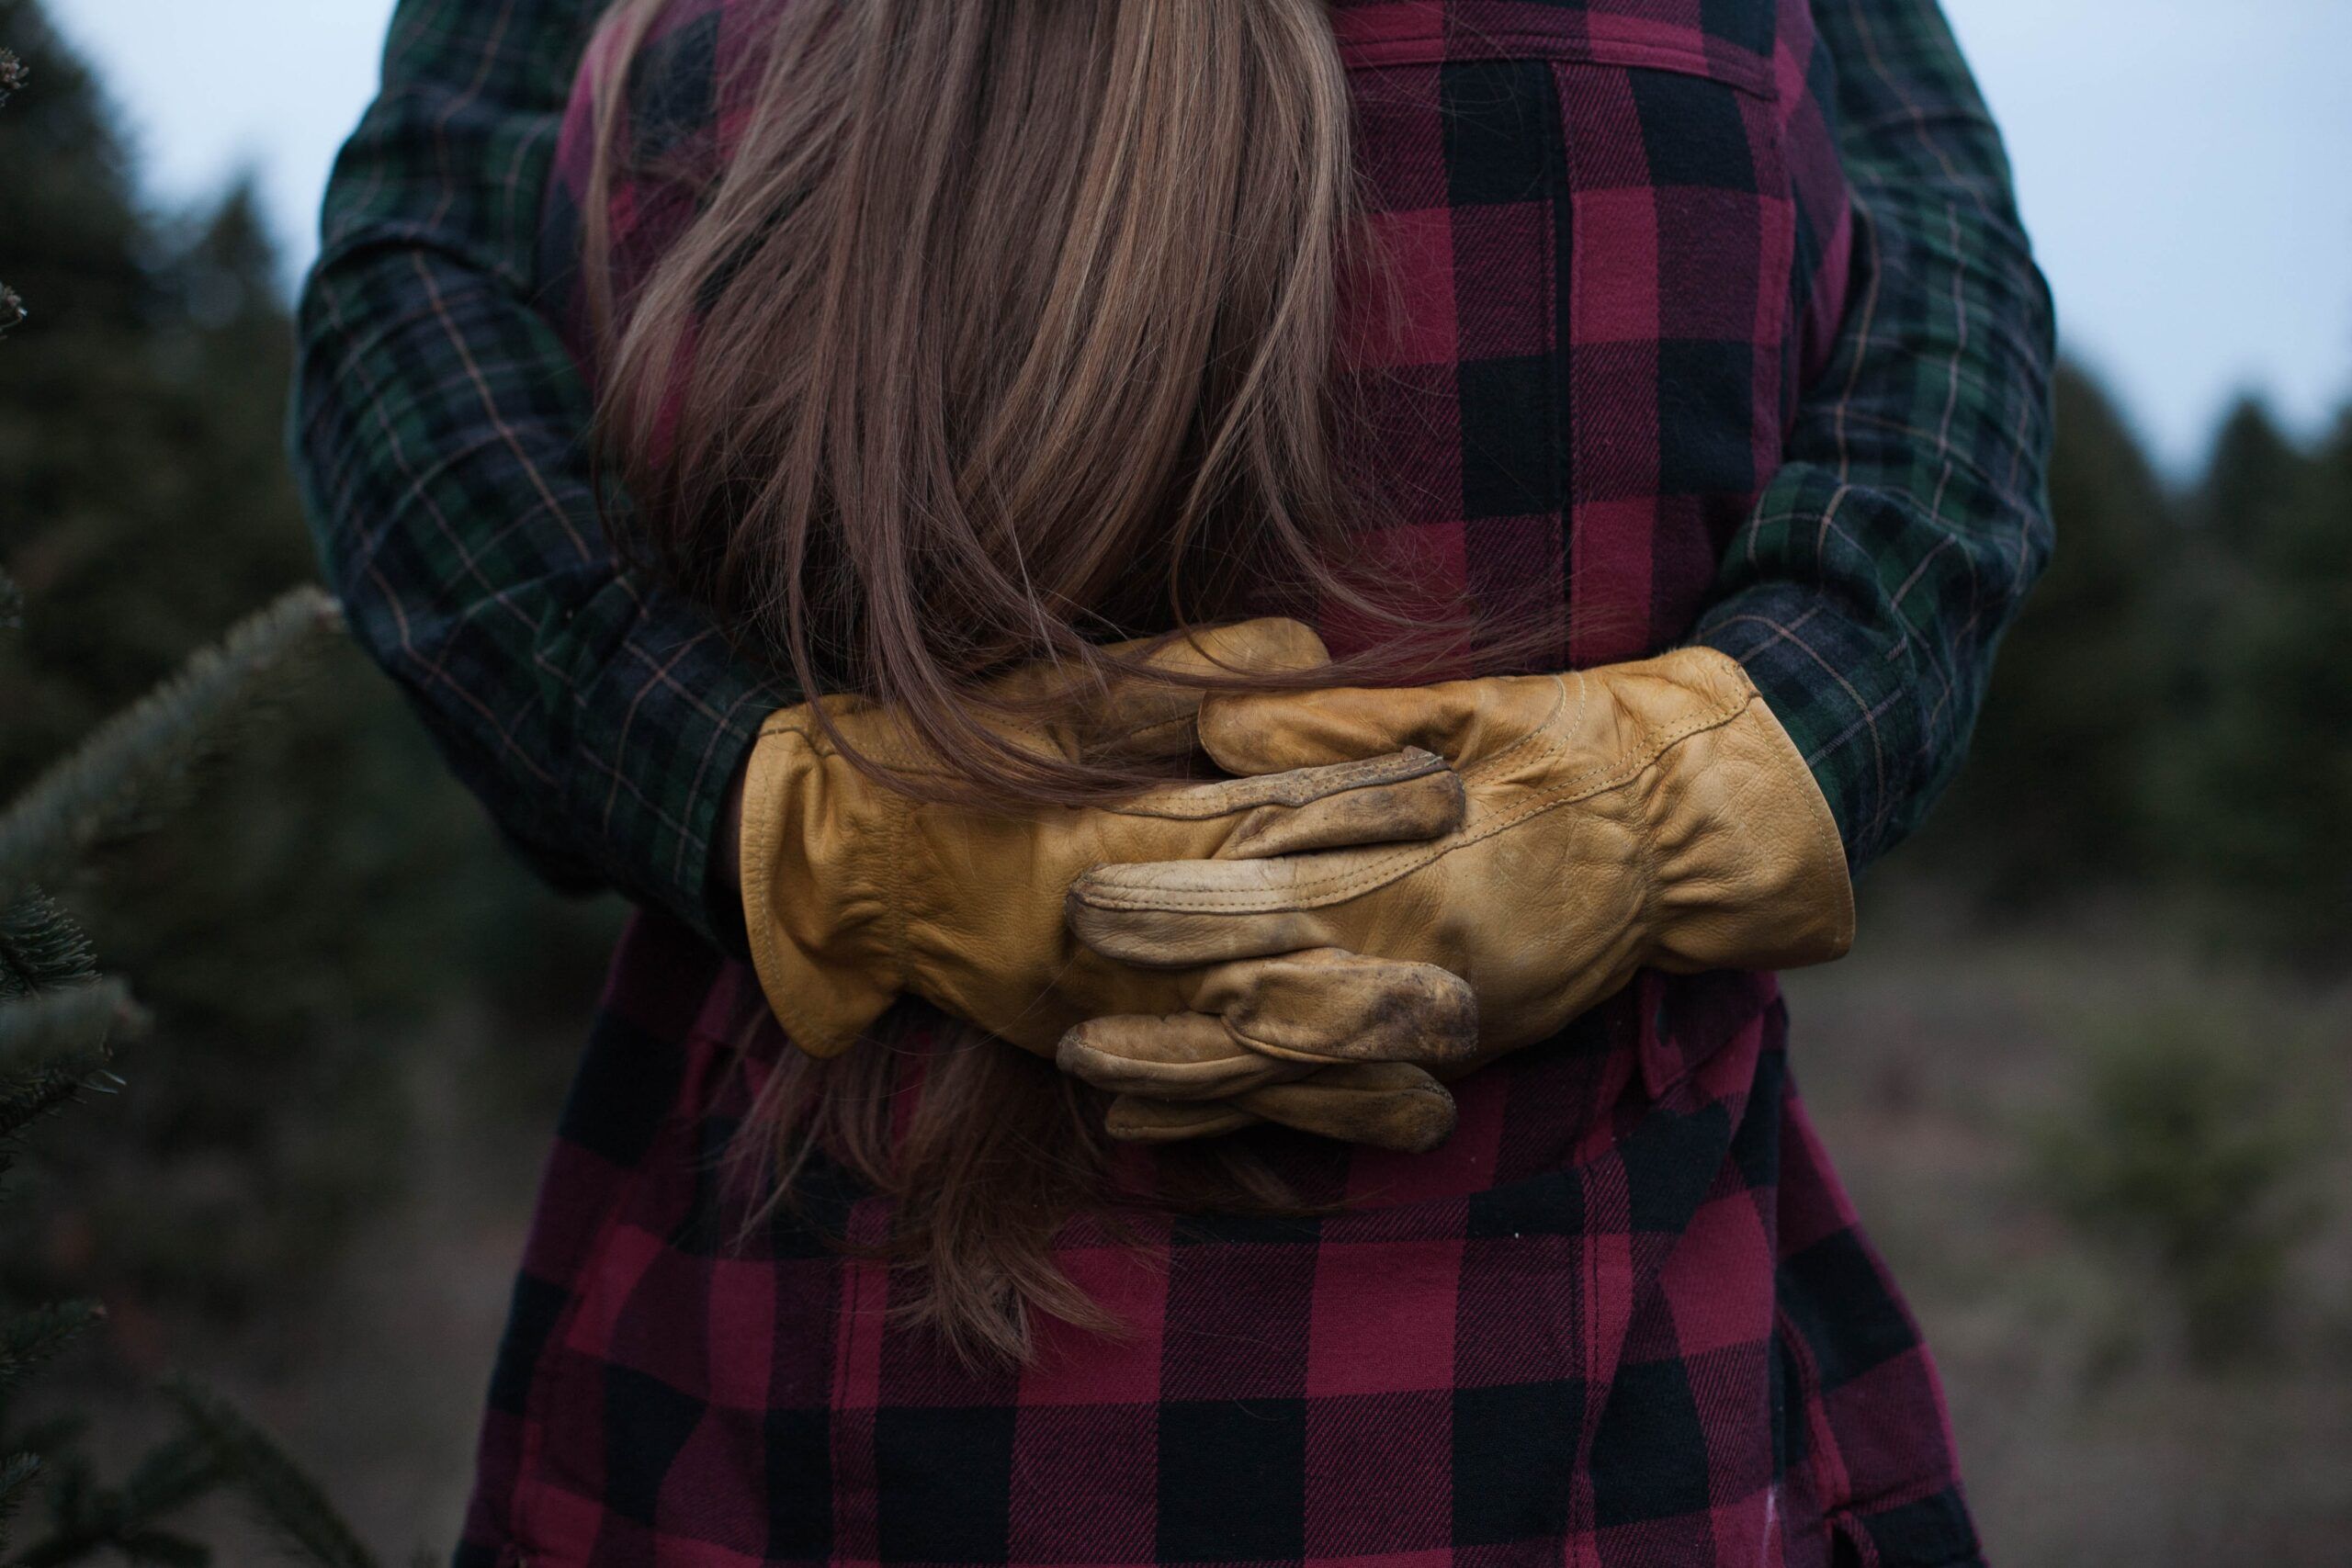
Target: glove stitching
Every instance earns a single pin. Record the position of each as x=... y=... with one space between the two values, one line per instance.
x=1550 y=725
x=893 y=880
x=762 y=935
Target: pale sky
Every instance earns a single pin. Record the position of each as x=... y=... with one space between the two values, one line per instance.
x=2186 y=166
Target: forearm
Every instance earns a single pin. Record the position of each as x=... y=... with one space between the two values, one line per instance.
x=598 y=717
x=440 y=433
x=1870 y=587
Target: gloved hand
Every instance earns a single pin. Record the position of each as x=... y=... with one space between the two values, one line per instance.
x=854 y=893
x=1642 y=814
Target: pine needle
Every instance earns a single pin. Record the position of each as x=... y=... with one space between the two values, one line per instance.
x=140 y=761
x=88 y=1519
x=62 y=1031
x=50 y=1435
x=42 y=947
x=27 y=1100
x=286 y=1499
x=16 y=1473
x=172 y=1475
x=29 y=1338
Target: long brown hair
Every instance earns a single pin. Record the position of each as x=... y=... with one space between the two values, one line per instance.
x=1005 y=328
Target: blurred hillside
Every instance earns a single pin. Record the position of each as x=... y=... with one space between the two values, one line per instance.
x=2086 y=1071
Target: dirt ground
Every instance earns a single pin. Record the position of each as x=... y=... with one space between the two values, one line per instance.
x=2087 y=1433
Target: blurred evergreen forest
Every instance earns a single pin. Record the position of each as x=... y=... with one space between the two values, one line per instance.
x=2170 y=722
x=2169 y=733
x=333 y=894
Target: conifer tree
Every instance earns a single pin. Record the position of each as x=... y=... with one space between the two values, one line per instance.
x=61 y=1020
x=2267 y=806
x=148 y=505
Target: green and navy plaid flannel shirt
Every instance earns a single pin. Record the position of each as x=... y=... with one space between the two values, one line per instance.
x=440 y=431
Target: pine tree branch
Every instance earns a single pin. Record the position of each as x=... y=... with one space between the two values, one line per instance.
x=49 y=1436
x=24 y=1103
x=137 y=763
x=286 y=1499
x=29 y=1338
x=41 y=947
x=52 y=1048
x=89 y=1520
x=174 y=1475
x=63 y=1032
x=17 y=1472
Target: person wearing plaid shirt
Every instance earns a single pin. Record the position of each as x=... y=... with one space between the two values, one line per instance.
x=1626 y=1314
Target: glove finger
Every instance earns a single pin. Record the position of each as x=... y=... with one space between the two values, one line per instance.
x=1187 y=914
x=1157 y=939
x=1264 y=732
x=1273 y=1019
x=1135 y=1118
x=1400 y=798
x=1178 y=1056
x=1325 y=1005
x=1385 y=1105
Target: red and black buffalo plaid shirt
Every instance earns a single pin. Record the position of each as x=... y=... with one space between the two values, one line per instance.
x=1626 y=1314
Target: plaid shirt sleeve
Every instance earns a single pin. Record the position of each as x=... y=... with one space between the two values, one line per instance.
x=439 y=432
x=1870 y=586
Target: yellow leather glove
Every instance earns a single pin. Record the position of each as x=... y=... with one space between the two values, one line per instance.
x=1642 y=814
x=854 y=893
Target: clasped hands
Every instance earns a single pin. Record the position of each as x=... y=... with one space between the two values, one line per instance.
x=1394 y=888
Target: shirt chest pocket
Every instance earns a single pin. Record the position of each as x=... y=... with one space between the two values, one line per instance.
x=1572 y=339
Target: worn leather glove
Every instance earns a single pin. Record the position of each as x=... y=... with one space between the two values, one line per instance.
x=1644 y=814
x=854 y=893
